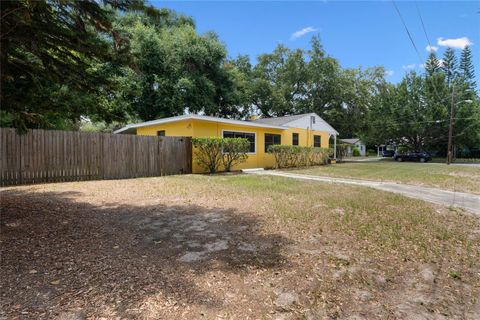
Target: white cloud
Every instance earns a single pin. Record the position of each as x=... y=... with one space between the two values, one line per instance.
x=409 y=66
x=441 y=62
x=458 y=43
x=422 y=66
x=389 y=73
x=301 y=33
x=430 y=48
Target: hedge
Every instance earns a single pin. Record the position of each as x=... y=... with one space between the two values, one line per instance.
x=210 y=153
x=296 y=156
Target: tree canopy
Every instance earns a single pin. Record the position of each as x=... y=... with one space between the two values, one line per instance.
x=117 y=61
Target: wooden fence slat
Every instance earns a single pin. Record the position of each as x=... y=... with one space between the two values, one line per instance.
x=53 y=156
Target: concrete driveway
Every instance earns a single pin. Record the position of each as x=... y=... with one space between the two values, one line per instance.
x=467 y=201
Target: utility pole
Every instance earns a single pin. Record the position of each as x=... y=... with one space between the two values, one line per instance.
x=450 y=130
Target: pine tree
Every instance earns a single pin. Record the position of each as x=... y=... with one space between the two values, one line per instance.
x=432 y=64
x=466 y=67
x=449 y=66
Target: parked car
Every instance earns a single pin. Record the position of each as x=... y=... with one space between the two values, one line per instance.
x=422 y=156
x=388 y=153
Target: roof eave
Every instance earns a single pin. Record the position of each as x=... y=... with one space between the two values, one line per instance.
x=196 y=117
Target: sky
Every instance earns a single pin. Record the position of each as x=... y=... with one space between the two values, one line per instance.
x=357 y=33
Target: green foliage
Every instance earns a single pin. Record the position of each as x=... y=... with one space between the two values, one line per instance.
x=296 y=156
x=356 y=152
x=177 y=69
x=432 y=65
x=403 y=149
x=449 y=66
x=115 y=60
x=234 y=151
x=210 y=153
x=57 y=60
x=288 y=81
x=342 y=151
x=466 y=68
x=416 y=112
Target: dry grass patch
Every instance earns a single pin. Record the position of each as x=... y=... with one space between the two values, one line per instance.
x=235 y=246
x=454 y=178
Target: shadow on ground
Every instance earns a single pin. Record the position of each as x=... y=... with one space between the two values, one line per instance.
x=61 y=254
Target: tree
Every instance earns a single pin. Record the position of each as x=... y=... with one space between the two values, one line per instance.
x=449 y=66
x=176 y=69
x=322 y=89
x=56 y=59
x=466 y=67
x=432 y=65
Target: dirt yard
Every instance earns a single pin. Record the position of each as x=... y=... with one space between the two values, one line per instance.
x=233 y=247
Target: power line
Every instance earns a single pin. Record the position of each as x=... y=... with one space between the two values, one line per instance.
x=423 y=25
x=408 y=31
x=395 y=123
x=429 y=45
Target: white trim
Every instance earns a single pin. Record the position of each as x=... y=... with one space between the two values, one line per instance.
x=198 y=117
x=239 y=131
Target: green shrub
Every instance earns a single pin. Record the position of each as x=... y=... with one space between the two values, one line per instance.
x=208 y=153
x=402 y=149
x=341 y=151
x=234 y=152
x=371 y=153
x=296 y=156
x=356 y=152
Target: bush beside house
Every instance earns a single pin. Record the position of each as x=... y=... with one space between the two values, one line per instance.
x=210 y=153
x=295 y=156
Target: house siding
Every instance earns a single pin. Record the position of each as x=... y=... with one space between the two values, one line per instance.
x=199 y=128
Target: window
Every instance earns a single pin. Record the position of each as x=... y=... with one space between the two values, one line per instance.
x=294 y=139
x=247 y=135
x=161 y=133
x=271 y=139
x=317 y=141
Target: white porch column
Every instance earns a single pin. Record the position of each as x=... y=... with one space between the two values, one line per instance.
x=335 y=147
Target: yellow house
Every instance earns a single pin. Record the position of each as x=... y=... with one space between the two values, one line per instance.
x=303 y=130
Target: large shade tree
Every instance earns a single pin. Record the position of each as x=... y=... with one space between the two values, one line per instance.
x=57 y=60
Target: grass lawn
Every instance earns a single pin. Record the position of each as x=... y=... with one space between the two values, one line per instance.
x=455 y=178
x=233 y=247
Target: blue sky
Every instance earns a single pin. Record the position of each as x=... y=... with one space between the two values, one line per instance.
x=357 y=33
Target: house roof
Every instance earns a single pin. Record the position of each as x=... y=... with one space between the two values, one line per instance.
x=278 y=121
x=131 y=127
x=300 y=121
x=281 y=123
x=351 y=141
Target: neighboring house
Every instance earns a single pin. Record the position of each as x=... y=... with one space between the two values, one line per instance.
x=303 y=130
x=355 y=143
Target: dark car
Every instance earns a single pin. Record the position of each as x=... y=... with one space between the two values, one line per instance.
x=388 y=153
x=413 y=156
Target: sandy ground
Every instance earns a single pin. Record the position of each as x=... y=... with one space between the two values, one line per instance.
x=116 y=250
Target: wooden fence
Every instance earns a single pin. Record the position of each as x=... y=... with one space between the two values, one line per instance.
x=53 y=156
